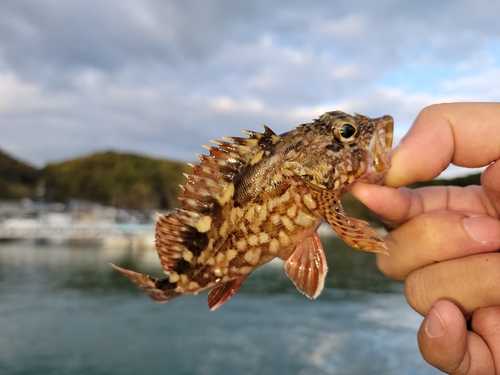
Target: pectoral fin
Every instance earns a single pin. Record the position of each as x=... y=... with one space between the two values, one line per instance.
x=307 y=267
x=356 y=233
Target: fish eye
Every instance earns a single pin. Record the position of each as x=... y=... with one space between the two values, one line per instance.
x=345 y=133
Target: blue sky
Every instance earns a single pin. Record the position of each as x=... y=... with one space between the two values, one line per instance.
x=161 y=78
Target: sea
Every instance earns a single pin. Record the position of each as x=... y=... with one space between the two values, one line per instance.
x=64 y=310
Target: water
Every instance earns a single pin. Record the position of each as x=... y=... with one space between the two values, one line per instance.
x=63 y=310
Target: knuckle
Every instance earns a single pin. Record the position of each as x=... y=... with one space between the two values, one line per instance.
x=416 y=292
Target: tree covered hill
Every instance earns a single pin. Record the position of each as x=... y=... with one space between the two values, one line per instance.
x=120 y=180
x=17 y=179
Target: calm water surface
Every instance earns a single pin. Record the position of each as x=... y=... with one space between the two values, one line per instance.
x=63 y=310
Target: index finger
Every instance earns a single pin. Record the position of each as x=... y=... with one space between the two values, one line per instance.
x=464 y=134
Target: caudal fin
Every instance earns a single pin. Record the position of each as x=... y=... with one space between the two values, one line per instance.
x=160 y=290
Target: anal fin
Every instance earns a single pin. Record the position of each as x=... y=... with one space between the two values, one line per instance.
x=219 y=294
x=307 y=266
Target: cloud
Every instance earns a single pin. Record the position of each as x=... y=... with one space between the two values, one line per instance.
x=484 y=84
x=163 y=77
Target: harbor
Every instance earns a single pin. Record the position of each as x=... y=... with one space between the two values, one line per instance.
x=76 y=222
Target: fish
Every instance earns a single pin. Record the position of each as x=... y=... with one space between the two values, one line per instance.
x=260 y=197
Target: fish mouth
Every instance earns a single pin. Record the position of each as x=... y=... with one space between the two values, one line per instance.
x=381 y=144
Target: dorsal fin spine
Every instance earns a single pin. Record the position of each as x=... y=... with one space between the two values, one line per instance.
x=195 y=203
x=268 y=131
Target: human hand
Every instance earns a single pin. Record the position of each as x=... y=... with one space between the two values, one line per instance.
x=444 y=240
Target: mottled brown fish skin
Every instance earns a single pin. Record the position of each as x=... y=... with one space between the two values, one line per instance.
x=253 y=199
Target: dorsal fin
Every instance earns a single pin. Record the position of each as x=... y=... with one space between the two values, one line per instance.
x=183 y=234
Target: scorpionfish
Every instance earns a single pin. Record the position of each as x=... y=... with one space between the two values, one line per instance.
x=253 y=199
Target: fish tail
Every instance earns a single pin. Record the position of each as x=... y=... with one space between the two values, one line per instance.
x=160 y=290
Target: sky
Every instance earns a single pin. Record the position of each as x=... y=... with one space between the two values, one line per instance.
x=162 y=77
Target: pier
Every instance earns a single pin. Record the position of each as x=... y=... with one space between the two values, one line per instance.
x=32 y=229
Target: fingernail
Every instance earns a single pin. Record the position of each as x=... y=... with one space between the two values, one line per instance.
x=434 y=326
x=482 y=229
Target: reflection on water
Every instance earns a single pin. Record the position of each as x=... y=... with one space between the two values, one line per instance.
x=63 y=310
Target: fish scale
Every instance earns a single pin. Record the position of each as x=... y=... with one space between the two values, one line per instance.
x=253 y=199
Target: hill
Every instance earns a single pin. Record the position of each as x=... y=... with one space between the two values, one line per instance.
x=358 y=210
x=120 y=180
x=472 y=179
x=17 y=179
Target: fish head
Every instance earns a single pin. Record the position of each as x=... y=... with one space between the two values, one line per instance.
x=337 y=149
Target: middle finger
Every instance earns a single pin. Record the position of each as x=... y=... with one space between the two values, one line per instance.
x=435 y=237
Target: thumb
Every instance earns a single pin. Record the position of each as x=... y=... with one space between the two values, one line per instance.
x=446 y=344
